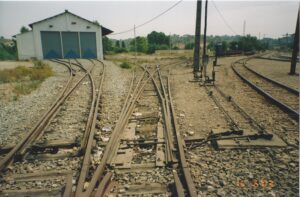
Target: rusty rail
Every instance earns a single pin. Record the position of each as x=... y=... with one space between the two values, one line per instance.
x=34 y=131
x=291 y=112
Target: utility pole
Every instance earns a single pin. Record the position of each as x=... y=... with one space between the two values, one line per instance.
x=204 y=56
x=197 y=38
x=295 y=48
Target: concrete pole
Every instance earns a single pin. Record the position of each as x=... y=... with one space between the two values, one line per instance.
x=196 y=63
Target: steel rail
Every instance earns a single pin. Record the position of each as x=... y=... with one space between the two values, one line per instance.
x=274 y=59
x=83 y=143
x=253 y=122
x=12 y=153
x=290 y=89
x=48 y=120
x=123 y=121
x=112 y=144
x=114 y=140
x=93 y=107
x=227 y=116
x=169 y=146
x=292 y=113
x=165 y=99
x=171 y=118
x=88 y=147
x=183 y=163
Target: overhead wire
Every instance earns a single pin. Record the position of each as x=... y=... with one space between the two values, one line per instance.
x=223 y=18
x=150 y=20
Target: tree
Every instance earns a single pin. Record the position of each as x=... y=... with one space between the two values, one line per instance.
x=157 y=40
x=151 y=49
x=233 y=45
x=117 y=44
x=123 y=45
x=141 y=44
x=189 y=46
x=24 y=29
x=224 y=46
x=107 y=44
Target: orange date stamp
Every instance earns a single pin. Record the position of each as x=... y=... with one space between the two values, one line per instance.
x=263 y=183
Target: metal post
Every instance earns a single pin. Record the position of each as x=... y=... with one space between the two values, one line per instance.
x=204 y=56
x=295 y=48
x=197 y=37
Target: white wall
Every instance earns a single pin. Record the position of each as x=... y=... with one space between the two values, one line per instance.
x=25 y=46
x=64 y=23
x=30 y=44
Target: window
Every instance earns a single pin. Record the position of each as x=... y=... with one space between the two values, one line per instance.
x=50 y=26
x=88 y=27
x=73 y=23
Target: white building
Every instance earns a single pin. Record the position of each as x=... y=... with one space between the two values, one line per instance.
x=65 y=35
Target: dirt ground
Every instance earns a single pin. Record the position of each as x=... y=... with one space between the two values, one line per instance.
x=14 y=64
x=217 y=173
x=277 y=70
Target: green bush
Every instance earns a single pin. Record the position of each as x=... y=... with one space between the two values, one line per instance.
x=8 y=53
x=151 y=49
x=125 y=65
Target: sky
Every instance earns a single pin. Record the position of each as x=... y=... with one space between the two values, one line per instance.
x=264 y=18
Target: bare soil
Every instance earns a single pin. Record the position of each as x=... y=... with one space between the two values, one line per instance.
x=277 y=70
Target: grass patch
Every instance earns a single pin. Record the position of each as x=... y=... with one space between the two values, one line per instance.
x=125 y=65
x=26 y=79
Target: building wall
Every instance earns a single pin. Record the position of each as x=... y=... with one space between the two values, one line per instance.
x=25 y=46
x=63 y=23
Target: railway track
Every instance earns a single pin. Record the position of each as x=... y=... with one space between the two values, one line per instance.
x=278 y=94
x=240 y=125
x=59 y=136
x=144 y=154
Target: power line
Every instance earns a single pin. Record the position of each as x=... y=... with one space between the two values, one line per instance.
x=223 y=18
x=150 y=20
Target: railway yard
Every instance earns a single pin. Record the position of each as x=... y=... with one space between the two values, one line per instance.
x=96 y=129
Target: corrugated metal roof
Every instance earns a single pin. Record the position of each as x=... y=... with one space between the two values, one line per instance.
x=105 y=31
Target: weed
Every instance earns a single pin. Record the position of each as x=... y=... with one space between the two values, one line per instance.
x=26 y=79
x=125 y=65
x=39 y=71
x=26 y=87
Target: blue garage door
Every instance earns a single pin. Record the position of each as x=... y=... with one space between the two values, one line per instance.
x=51 y=45
x=88 y=44
x=70 y=44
